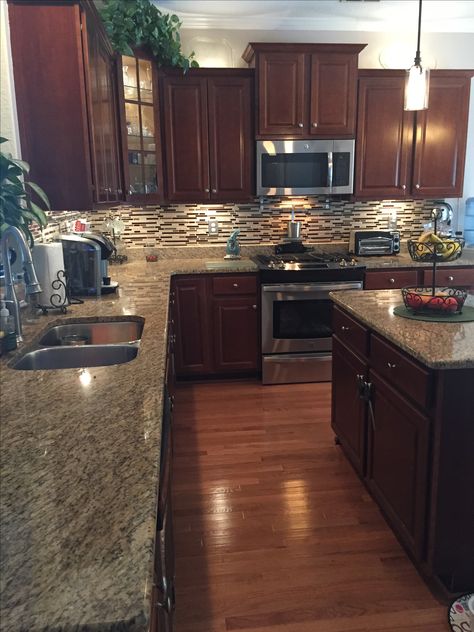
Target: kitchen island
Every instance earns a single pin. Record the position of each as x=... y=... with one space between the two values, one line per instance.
x=403 y=412
x=80 y=469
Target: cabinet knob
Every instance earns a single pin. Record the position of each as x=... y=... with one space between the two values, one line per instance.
x=404 y=186
x=391 y=280
x=206 y=190
x=315 y=125
x=344 y=328
x=214 y=190
x=450 y=278
x=417 y=186
x=254 y=307
x=300 y=124
x=391 y=365
x=235 y=284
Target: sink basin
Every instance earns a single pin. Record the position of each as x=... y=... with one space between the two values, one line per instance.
x=75 y=357
x=94 y=333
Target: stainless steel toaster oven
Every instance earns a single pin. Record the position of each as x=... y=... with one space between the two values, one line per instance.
x=366 y=243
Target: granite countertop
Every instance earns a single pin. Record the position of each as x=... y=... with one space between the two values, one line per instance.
x=403 y=260
x=437 y=345
x=79 y=470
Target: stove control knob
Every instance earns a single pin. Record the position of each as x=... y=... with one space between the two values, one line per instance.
x=353 y=262
x=342 y=263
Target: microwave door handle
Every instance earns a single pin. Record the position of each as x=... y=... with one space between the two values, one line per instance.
x=330 y=169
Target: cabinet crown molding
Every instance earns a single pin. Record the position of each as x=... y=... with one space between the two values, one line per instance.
x=271 y=47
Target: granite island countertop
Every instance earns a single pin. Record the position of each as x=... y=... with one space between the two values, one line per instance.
x=437 y=345
x=79 y=469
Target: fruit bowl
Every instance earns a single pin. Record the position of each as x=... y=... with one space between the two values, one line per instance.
x=447 y=249
x=445 y=300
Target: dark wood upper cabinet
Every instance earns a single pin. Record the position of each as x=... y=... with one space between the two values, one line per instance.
x=405 y=154
x=305 y=90
x=66 y=94
x=141 y=129
x=384 y=137
x=441 y=136
x=208 y=135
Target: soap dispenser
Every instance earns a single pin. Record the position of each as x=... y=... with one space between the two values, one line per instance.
x=7 y=329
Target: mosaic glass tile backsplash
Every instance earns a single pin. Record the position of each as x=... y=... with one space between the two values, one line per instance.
x=322 y=220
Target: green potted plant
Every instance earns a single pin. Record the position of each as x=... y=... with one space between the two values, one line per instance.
x=16 y=205
x=140 y=24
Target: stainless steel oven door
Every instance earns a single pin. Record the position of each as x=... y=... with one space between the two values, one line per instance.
x=296 y=317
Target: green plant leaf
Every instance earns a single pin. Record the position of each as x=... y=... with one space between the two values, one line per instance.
x=22 y=164
x=38 y=215
x=40 y=193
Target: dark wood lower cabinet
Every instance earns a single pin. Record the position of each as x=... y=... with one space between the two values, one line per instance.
x=216 y=325
x=397 y=462
x=417 y=459
x=348 y=409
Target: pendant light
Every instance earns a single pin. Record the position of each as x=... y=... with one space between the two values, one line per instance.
x=417 y=83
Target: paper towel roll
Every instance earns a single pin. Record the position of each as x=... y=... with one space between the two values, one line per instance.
x=48 y=261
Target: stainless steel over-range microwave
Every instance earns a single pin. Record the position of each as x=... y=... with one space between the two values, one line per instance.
x=305 y=167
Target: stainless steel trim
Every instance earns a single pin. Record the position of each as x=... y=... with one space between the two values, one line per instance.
x=313 y=287
x=296 y=368
x=330 y=169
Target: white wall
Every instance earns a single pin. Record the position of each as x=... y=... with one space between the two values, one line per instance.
x=8 y=118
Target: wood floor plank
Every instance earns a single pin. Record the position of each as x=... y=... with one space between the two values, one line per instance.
x=273 y=529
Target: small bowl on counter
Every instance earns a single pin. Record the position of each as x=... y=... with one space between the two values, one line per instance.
x=442 y=301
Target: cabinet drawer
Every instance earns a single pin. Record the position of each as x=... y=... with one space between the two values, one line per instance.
x=387 y=279
x=350 y=332
x=234 y=285
x=463 y=277
x=400 y=371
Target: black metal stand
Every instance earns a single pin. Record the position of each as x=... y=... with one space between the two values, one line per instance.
x=57 y=301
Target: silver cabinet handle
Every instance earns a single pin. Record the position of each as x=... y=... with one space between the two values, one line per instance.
x=391 y=365
x=300 y=124
x=235 y=284
x=214 y=190
x=254 y=307
x=344 y=328
x=315 y=125
x=391 y=280
x=404 y=186
x=417 y=186
x=206 y=190
x=450 y=278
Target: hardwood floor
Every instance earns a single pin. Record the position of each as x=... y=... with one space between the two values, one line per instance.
x=273 y=530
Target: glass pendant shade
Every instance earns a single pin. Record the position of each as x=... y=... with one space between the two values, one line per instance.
x=417 y=87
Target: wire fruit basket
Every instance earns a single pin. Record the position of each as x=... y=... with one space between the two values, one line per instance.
x=434 y=249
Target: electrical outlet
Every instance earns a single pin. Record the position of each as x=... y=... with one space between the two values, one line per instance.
x=213 y=227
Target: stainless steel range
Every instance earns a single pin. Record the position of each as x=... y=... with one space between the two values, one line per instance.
x=296 y=312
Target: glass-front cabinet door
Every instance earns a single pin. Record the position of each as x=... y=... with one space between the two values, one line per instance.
x=141 y=131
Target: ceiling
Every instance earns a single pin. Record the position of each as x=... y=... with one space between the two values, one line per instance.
x=444 y=16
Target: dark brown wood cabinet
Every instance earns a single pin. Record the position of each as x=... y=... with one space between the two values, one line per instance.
x=208 y=135
x=305 y=90
x=451 y=277
x=417 y=160
x=216 y=324
x=390 y=279
x=407 y=430
x=66 y=94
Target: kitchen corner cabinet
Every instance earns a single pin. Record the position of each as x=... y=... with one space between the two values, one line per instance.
x=66 y=94
x=208 y=135
x=416 y=160
x=408 y=432
x=141 y=133
x=305 y=90
x=216 y=323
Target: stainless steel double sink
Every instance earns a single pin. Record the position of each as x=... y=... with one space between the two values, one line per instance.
x=84 y=344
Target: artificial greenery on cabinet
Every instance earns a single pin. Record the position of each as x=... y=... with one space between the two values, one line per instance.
x=140 y=24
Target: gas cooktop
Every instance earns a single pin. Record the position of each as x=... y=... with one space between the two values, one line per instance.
x=309 y=260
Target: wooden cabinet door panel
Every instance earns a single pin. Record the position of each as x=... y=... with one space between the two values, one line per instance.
x=235 y=325
x=333 y=94
x=282 y=104
x=230 y=137
x=382 y=122
x=397 y=463
x=193 y=350
x=350 y=331
x=450 y=277
x=348 y=410
x=186 y=138
x=441 y=133
x=387 y=280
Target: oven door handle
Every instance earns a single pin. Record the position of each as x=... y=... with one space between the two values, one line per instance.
x=330 y=169
x=300 y=288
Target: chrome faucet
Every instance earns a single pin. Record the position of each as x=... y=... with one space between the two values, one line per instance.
x=32 y=284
